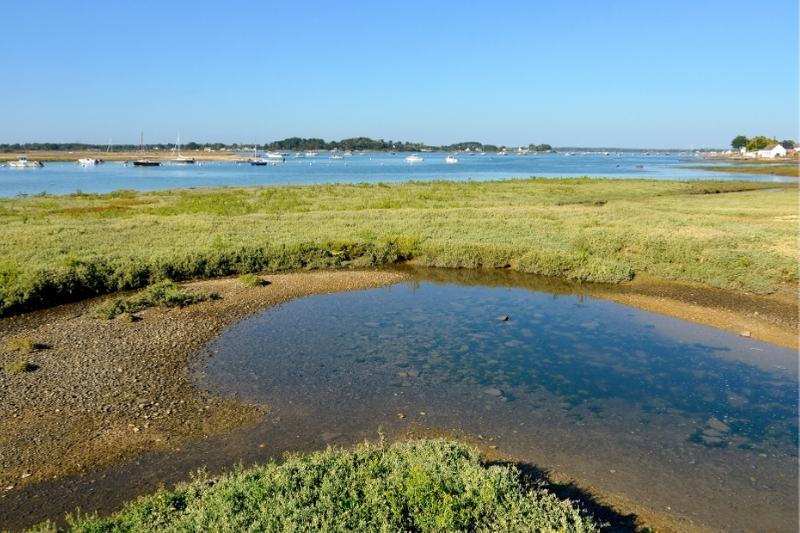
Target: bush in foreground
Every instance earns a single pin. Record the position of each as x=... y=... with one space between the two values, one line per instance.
x=413 y=486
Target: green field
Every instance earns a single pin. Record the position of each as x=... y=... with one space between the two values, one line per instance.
x=724 y=234
x=414 y=486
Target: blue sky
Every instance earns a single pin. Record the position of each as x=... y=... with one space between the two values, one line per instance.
x=616 y=73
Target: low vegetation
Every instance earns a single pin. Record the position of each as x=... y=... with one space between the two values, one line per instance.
x=60 y=248
x=414 y=486
x=771 y=169
x=22 y=345
x=162 y=294
x=19 y=367
x=253 y=280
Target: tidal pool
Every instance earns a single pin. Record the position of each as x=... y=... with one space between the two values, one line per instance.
x=683 y=419
x=659 y=414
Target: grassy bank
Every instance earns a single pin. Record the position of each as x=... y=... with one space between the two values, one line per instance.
x=415 y=486
x=767 y=169
x=723 y=234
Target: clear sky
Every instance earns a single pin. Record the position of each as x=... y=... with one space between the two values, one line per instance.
x=580 y=73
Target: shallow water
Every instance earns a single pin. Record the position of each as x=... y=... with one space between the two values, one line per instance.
x=63 y=177
x=679 y=418
x=661 y=411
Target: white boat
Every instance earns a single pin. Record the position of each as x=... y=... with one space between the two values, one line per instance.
x=23 y=162
x=502 y=152
x=451 y=160
x=413 y=158
x=181 y=159
x=88 y=161
x=337 y=156
x=299 y=155
x=312 y=154
x=276 y=157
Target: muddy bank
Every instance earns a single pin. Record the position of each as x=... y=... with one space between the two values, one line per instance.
x=770 y=318
x=104 y=390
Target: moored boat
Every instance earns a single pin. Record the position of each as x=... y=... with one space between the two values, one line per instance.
x=145 y=162
x=451 y=160
x=23 y=162
x=88 y=161
x=413 y=158
x=181 y=159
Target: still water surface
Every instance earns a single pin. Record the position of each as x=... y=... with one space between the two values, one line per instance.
x=681 y=419
x=63 y=177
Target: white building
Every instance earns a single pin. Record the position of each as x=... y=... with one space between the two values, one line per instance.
x=771 y=151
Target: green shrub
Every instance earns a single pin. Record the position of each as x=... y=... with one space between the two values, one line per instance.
x=162 y=294
x=23 y=345
x=253 y=280
x=413 y=486
x=19 y=367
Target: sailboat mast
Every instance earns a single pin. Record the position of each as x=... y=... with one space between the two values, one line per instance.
x=141 y=141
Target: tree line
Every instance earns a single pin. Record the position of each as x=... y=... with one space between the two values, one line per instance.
x=294 y=144
x=759 y=142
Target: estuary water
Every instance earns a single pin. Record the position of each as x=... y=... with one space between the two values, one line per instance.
x=69 y=177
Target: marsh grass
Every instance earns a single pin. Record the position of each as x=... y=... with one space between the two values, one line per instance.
x=253 y=280
x=413 y=486
x=19 y=367
x=770 y=169
x=23 y=345
x=62 y=248
x=162 y=294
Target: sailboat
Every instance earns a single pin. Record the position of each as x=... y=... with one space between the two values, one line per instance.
x=181 y=159
x=144 y=162
x=257 y=160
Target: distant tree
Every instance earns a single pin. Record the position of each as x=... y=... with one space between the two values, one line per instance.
x=788 y=144
x=540 y=147
x=738 y=142
x=758 y=143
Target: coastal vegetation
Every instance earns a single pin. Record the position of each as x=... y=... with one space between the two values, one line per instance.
x=162 y=294
x=22 y=345
x=737 y=235
x=764 y=168
x=19 y=367
x=412 y=486
x=253 y=280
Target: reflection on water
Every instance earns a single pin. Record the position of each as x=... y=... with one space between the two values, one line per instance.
x=567 y=379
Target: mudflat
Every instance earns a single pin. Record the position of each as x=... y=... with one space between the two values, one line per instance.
x=104 y=390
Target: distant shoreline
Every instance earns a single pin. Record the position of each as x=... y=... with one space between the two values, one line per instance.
x=244 y=152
